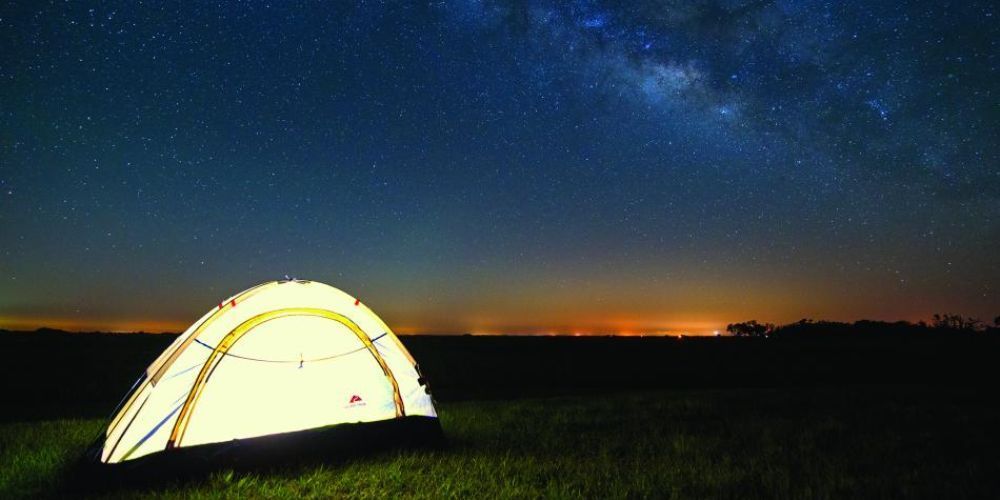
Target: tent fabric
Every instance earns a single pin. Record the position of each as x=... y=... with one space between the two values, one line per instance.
x=281 y=357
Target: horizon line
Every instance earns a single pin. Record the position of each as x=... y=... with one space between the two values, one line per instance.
x=702 y=329
x=714 y=333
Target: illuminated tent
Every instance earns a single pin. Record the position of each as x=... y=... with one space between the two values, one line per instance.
x=281 y=361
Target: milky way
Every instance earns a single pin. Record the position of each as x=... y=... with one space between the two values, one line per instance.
x=502 y=166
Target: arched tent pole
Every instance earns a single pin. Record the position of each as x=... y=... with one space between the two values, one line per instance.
x=150 y=379
x=389 y=332
x=227 y=342
x=222 y=309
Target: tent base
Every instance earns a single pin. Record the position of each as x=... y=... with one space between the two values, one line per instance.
x=323 y=445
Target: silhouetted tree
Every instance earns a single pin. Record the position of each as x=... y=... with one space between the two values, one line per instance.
x=750 y=329
x=955 y=322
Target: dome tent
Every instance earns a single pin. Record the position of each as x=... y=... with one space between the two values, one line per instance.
x=289 y=365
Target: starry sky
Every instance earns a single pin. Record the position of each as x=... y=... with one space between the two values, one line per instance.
x=489 y=166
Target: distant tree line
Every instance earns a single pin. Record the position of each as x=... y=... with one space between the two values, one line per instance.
x=940 y=323
x=957 y=322
x=750 y=329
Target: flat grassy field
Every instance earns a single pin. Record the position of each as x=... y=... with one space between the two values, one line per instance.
x=801 y=440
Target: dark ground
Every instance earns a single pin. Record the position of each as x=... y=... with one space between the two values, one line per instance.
x=58 y=375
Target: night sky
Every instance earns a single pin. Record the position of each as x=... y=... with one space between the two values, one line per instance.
x=501 y=167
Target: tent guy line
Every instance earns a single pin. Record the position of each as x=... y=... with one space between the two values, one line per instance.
x=301 y=360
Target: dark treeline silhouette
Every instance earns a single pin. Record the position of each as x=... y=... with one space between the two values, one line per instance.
x=941 y=324
x=750 y=329
x=958 y=322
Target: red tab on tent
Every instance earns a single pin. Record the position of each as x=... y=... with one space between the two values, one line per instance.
x=232 y=302
x=357 y=301
x=355 y=399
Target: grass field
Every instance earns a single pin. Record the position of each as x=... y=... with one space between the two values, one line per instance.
x=794 y=441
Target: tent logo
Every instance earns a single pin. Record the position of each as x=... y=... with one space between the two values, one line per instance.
x=355 y=401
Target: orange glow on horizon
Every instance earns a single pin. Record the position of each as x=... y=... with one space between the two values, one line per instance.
x=504 y=304
x=168 y=326
x=618 y=325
